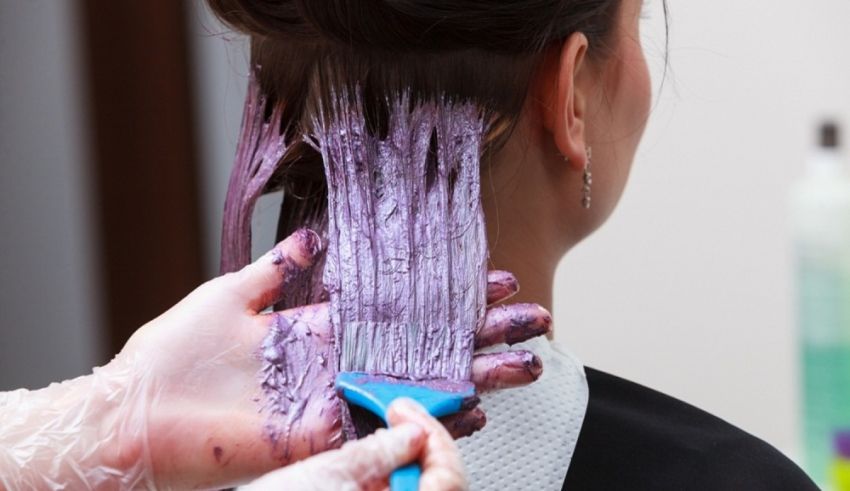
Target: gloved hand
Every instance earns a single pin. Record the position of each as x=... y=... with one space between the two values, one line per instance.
x=183 y=405
x=367 y=463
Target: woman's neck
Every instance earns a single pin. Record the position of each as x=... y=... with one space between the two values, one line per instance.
x=524 y=192
x=524 y=250
x=521 y=250
x=527 y=236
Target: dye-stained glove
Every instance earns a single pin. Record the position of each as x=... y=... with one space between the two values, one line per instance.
x=366 y=464
x=191 y=400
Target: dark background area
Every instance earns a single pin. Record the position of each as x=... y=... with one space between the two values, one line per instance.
x=144 y=158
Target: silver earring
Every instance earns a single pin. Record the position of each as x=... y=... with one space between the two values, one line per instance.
x=588 y=180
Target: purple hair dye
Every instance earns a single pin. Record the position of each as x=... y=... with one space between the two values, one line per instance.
x=261 y=145
x=405 y=263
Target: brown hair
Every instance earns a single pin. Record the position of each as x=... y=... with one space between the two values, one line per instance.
x=484 y=52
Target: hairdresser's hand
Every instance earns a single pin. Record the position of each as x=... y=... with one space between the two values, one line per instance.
x=366 y=464
x=219 y=391
x=507 y=324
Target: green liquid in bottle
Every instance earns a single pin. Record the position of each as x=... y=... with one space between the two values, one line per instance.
x=825 y=322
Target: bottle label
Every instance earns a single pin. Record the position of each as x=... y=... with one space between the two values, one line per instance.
x=824 y=298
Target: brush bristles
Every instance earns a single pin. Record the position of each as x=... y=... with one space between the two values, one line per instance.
x=381 y=348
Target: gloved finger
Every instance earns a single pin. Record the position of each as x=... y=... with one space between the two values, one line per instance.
x=442 y=467
x=372 y=459
x=369 y=461
x=513 y=324
x=464 y=423
x=506 y=369
x=261 y=283
x=358 y=464
x=501 y=285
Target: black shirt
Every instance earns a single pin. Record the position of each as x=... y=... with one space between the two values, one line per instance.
x=636 y=438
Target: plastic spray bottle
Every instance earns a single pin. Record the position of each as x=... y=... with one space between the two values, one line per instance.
x=820 y=214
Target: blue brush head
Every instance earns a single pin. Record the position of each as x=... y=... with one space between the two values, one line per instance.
x=375 y=393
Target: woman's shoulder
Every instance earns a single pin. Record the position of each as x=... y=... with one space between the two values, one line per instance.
x=637 y=437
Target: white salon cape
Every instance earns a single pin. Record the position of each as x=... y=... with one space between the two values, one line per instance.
x=531 y=431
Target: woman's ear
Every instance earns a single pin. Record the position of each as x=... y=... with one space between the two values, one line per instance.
x=564 y=114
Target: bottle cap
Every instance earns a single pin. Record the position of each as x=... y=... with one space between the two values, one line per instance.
x=829 y=135
x=841 y=442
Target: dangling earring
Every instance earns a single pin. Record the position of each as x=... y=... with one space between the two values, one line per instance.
x=588 y=180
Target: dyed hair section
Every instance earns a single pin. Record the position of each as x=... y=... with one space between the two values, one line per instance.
x=260 y=148
x=407 y=246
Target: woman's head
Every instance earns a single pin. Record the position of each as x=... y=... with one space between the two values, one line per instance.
x=578 y=102
x=555 y=76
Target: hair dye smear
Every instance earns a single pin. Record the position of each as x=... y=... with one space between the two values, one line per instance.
x=407 y=250
x=296 y=380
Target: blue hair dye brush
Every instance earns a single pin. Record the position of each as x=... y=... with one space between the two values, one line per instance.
x=375 y=393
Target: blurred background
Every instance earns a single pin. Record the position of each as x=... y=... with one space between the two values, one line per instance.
x=118 y=124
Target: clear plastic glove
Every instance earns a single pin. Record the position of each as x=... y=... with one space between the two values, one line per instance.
x=183 y=405
x=366 y=464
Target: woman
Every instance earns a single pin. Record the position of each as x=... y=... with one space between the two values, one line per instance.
x=569 y=88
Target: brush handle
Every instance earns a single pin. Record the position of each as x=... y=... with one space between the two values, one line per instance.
x=405 y=478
